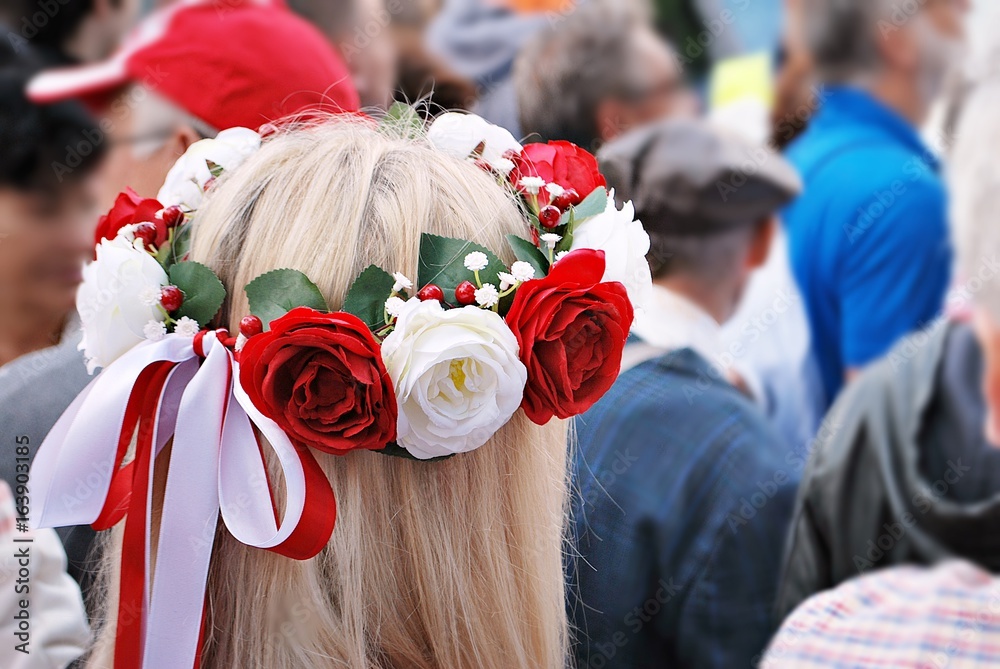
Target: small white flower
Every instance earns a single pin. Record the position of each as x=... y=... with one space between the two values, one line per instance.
x=561 y=255
x=487 y=296
x=150 y=296
x=402 y=283
x=186 y=327
x=506 y=280
x=476 y=261
x=550 y=239
x=394 y=306
x=154 y=330
x=554 y=189
x=531 y=184
x=522 y=271
x=241 y=341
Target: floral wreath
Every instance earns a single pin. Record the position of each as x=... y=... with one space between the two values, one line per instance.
x=422 y=370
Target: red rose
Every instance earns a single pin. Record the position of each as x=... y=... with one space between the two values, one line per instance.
x=130 y=209
x=320 y=377
x=559 y=162
x=572 y=330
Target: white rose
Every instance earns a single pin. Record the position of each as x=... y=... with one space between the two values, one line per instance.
x=457 y=376
x=113 y=311
x=459 y=134
x=185 y=182
x=625 y=245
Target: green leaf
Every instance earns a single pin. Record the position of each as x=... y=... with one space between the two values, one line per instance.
x=277 y=292
x=398 y=451
x=592 y=205
x=203 y=292
x=367 y=295
x=405 y=118
x=442 y=262
x=529 y=253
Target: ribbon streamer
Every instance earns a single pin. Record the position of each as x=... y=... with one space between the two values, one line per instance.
x=216 y=465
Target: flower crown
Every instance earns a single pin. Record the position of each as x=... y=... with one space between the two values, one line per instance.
x=422 y=370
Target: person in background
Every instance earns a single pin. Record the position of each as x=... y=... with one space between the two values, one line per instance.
x=67 y=32
x=597 y=73
x=868 y=240
x=928 y=617
x=685 y=496
x=46 y=218
x=479 y=40
x=168 y=87
x=906 y=469
x=361 y=30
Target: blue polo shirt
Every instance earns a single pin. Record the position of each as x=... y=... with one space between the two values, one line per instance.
x=868 y=238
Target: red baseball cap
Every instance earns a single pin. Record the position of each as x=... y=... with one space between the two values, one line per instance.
x=227 y=62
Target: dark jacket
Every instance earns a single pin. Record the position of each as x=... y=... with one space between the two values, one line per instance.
x=900 y=473
x=685 y=499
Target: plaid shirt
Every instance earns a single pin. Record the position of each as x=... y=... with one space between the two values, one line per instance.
x=910 y=617
x=684 y=500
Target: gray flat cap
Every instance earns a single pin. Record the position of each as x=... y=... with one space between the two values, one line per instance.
x=687 y=177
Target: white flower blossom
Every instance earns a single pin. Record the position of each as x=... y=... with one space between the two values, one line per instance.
x=554 y=189
x=186 y=327
x=506 y=280
x=457 y=377
x=531 y=184
x=186 y=180
x=561 y=255
x=476 y=261
x=113 y=313
x=241 y=341
x=394 y=306
x=550 y=239
x=401 y=282
x=150 y=295
x=487 y=296
x=459 y=135
x=522 y=271
x=625 y=245
x=154 y=330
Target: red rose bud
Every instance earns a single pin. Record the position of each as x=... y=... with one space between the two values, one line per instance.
x=431 y=292
x=465 y=293
x=147 y=233
x=321 y=378
x=549 y=217
x=128 y=209
x=571 y=329
x=172 y=216
x=560 y=163
x=171 y=298
x=566 y=199
x=251 y=325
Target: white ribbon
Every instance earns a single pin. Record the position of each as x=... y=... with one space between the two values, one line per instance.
x=215 y=465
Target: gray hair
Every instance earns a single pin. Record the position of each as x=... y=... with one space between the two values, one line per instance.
x=843 y=36
x=153 y=114
x=975 y=196
x=565 y=71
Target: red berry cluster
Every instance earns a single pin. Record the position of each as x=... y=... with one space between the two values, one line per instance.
x=465 y=293
x=171 y=297
x=551 y=214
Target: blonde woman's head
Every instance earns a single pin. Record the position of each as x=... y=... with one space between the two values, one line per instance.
x=446 y=564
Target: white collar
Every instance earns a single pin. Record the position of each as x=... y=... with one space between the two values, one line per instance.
x=671 y=321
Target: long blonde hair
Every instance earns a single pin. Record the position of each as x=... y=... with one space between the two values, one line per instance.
x=448 y=564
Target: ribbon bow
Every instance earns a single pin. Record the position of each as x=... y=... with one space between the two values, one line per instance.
x=185 y=388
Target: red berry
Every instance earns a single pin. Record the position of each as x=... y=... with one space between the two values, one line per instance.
x=568 y=198
x=465 y=293
x=171 y=298
x=431 y=292
x=172 y=216
x=209 y=184
x=146 y=232
x=549 y=217
x=250 y=326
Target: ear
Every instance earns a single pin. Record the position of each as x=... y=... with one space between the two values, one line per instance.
x=612 y=119
x=760 y=244
x=898 y=45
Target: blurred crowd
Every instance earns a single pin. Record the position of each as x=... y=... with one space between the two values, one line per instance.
x=799 y=465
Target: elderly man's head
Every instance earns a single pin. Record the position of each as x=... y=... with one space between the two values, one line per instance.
x=859 y=41
x=596 y=73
